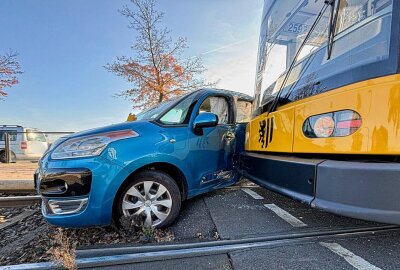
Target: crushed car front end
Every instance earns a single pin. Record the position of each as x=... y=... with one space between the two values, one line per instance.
x=76 y=174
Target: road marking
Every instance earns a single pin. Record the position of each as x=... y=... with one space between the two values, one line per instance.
x=285 y=216
x=253 y=194
x=350 y=257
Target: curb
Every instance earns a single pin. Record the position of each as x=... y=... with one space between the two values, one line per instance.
x=17 y=185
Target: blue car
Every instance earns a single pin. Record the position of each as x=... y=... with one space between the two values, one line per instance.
x=146 y=168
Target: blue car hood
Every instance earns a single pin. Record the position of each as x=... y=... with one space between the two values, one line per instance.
x=115 y=127
x=109 y=128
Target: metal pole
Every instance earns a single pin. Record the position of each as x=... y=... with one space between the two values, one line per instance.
x=7 y=145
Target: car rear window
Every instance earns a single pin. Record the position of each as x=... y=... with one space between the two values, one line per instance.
x=34 y=136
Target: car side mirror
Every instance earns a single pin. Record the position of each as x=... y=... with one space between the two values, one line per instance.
x=204 y=120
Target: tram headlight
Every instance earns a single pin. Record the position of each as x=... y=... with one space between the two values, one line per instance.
x=332 y=124
x=324 y=126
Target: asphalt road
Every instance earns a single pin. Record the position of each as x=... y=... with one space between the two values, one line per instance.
x=236 y=214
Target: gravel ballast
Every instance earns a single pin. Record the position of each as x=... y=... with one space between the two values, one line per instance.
x=32 y=239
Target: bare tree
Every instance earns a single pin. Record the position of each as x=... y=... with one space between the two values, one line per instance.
x=9 y=69
x=157 y=72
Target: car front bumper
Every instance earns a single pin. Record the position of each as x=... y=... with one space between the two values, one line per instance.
x=78 y=192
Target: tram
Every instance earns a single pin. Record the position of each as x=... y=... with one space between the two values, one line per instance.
x=326 y=122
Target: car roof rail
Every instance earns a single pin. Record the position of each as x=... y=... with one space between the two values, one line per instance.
x=11 y=126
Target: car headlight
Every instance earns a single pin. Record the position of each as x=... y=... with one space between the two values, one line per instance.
x=91 y=145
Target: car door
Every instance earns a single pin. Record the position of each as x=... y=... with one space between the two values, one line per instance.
x=212 y=152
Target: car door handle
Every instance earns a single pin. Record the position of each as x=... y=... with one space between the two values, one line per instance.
x=230 y=135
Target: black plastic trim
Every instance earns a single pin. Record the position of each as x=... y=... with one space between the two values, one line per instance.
x=357 y=189
x=65 y=182
x=291 y=176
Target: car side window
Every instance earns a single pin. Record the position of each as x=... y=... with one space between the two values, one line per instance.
x=218 y=106
x=12 y=135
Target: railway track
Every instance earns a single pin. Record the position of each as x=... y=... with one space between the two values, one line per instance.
x=115 y=257
x=17 y=201
x=138 y=254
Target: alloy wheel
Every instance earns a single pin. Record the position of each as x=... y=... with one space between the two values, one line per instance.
x=148 y=199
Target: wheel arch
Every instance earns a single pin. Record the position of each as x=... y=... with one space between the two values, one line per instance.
x=3 y=150
x=165 y=167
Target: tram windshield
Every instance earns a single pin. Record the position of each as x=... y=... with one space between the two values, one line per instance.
x=297 y=31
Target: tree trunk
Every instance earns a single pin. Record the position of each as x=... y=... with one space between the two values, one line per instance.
x=160 y=98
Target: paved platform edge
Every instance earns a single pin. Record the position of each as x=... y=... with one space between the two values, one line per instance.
x=15 y=185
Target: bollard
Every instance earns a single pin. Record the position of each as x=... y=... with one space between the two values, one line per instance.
x=7 y=146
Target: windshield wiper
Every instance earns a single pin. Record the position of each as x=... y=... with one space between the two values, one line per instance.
x=331 y=35
x=332 y=24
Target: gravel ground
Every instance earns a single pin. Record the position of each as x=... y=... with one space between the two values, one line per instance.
x=13 y=232
x=33 y=240
x=7 y=213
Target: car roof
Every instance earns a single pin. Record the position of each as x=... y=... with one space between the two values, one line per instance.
x=201 y=91
x=15 y=127
x=10 y=127
x=239 y=95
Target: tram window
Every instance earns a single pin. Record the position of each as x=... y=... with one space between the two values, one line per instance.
x=317 y=39
x=352 y=48
x=354 y=11
x=362 y=38
x=283 y=32
x=274 y=68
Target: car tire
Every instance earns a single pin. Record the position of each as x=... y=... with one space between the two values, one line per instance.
x=152 y=196
x=3 y=157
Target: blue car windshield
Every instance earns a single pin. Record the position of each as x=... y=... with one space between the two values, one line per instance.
x=155 y=111
x=159 y=109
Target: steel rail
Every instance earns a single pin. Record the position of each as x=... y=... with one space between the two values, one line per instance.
x=142 y=249
x=116 y=256
x=13 y=201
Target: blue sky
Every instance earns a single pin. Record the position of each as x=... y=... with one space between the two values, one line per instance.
x=63 y=46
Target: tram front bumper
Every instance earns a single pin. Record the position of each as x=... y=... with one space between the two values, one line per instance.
x=363 y=190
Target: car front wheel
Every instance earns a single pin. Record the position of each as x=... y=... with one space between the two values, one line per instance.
x=152 y=196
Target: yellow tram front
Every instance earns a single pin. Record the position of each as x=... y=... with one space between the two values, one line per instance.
x=326 y=125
